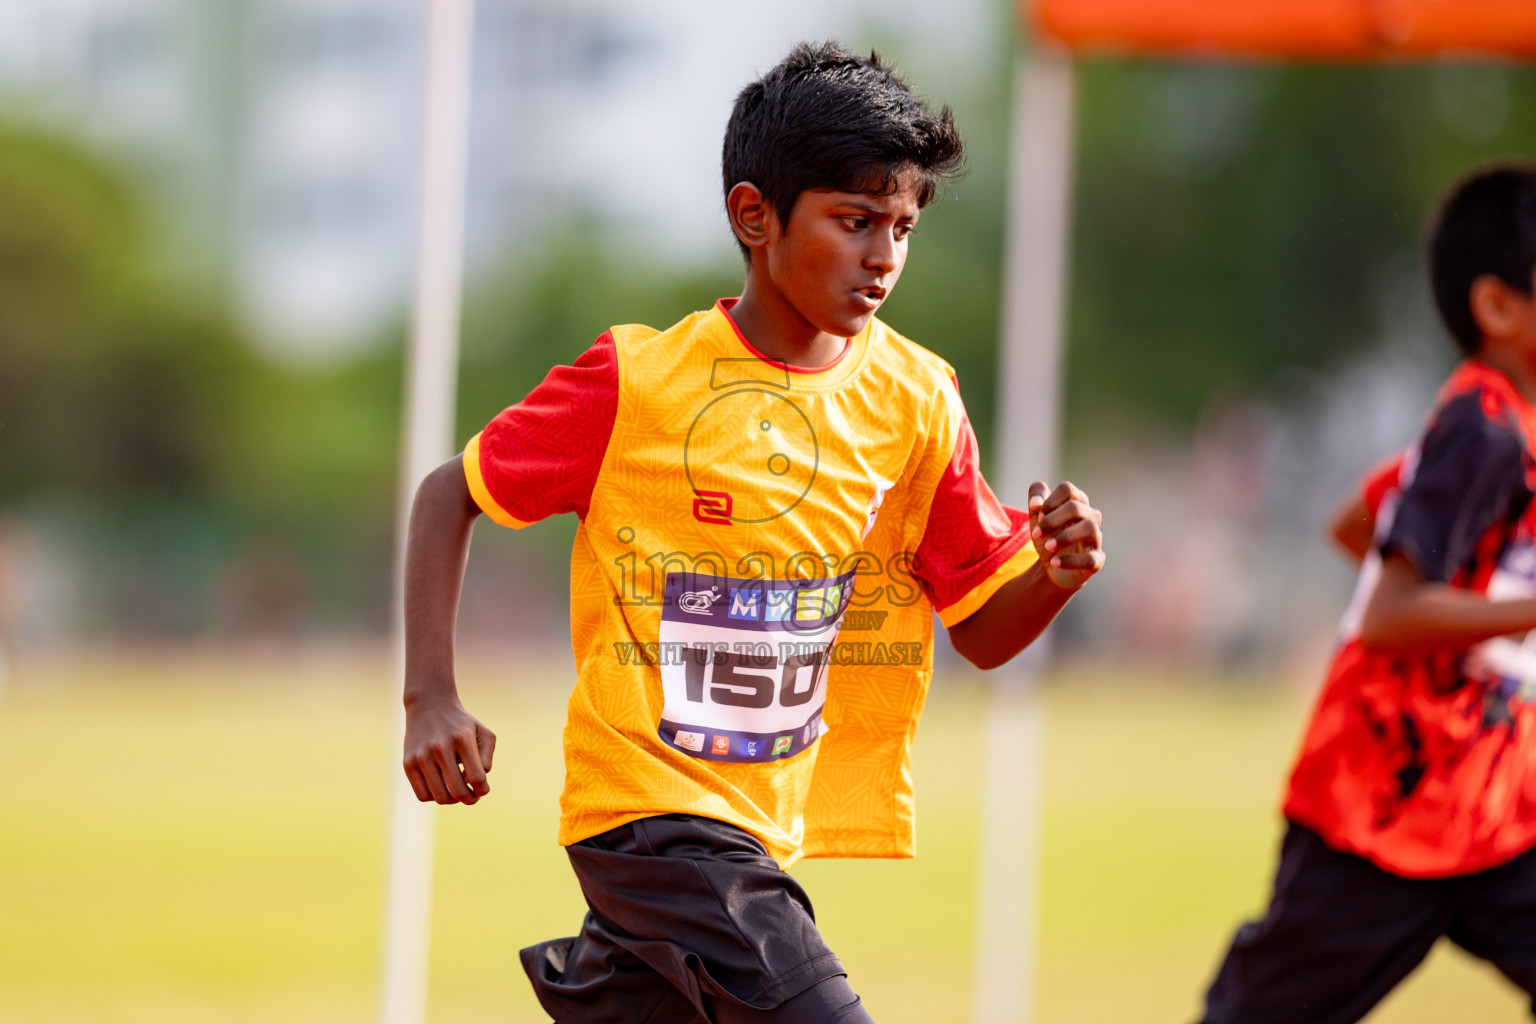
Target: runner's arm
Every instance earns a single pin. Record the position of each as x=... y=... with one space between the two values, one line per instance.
x=1408 y=613
x=447 y=752
x=1353 y=526
x=1067 y=532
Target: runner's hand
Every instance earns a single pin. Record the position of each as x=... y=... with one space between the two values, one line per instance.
x=1067 y=534
x=447 y=752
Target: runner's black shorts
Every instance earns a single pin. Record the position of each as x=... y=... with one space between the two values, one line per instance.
x=1340 y=933
x=689 y=921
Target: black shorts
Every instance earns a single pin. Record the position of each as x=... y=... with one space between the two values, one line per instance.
x=1340 y=933
x=689 y=921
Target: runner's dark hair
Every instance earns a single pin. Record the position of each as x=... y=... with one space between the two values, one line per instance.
x=1486 y=224
x=824 y=118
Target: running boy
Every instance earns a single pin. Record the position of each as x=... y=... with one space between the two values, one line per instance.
x=749 y=481
x=1412 y=805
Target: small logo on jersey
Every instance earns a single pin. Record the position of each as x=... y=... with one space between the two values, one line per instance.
x=693 y=741
x=697 y=602
x=746 y=604
x=750 y=747
x=780 y=604
x=818 y=603
x=713 y=507
x=720 y=745
x=808 y=734
x=781 y=744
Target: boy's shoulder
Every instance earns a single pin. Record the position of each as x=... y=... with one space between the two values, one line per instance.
x=1477 y=404
x=644 y=341
x=899 y=355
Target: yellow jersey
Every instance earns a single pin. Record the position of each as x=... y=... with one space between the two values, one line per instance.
x=761 y=552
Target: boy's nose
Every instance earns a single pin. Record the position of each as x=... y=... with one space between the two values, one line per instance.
x=883 y=253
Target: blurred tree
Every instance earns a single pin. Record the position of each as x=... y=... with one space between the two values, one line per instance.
x=105 y=387
x=137 y=427
x=1237 y=219
x=1232 y=221
x=522 y=320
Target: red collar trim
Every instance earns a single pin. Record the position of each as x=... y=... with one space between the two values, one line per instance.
x=725 y=305
x=1473 y=374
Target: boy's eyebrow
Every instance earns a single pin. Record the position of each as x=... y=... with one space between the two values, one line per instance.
x=867 y=208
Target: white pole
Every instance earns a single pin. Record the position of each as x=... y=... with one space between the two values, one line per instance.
x=430 y=386
x=1028 y=414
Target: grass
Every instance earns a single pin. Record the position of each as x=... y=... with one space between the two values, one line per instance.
x=198 y=838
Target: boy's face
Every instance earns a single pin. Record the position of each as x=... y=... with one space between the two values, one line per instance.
x=841 y=253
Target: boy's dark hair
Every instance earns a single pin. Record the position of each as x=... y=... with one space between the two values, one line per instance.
x=825 y=118
x=1485 y=225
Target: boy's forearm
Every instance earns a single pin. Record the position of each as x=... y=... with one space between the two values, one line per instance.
x=1011 y=620
x=1405 y=613
x=437 y=548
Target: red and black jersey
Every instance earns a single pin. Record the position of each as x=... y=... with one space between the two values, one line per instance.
x=1425 y=763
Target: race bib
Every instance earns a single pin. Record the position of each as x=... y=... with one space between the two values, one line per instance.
x=744 y=663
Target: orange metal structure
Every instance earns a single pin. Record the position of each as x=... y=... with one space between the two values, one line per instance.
x=1290 y=29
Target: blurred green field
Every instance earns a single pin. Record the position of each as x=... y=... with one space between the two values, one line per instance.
x=199 y=838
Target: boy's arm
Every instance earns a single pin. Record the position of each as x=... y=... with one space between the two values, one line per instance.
x=447 y=752
x=1067 y=532
x=1352 y=525
x=1408 y=613
x=537 y=458
x=1470 y=478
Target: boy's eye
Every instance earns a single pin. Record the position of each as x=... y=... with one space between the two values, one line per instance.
x=856 y=223
x=903 y=230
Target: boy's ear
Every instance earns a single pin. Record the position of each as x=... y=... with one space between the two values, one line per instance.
x=750 y=212
x=1495 y=306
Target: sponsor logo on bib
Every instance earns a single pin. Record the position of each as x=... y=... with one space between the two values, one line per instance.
x=751 y=667
x=698 y=602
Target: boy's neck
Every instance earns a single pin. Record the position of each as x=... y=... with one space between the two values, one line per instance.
x=1511 y=364
x=779 y=331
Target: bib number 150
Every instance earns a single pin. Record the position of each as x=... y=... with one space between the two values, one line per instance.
x=751 y=680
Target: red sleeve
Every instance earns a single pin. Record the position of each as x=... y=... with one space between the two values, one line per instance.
x=1469 y=481
x=1380 y=479
x=973 y=543
x=542 y=455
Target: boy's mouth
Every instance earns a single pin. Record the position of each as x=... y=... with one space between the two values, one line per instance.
x=873 y=293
